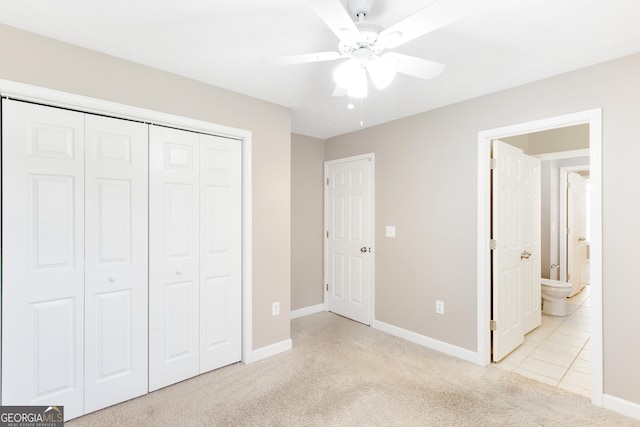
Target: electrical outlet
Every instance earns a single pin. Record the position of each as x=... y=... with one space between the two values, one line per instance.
x=275 y=309
x=439 y=307
x=390 y=231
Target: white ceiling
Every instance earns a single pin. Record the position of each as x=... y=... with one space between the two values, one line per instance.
x=501 y=44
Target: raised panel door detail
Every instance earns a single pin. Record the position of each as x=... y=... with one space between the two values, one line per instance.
x=53 y=352
x=355 y=219
x=216 y=292
x=47 y=140
x=42 y=256
x=179 y=310
x=114 y=318
x=178 y=156
x=339 y=217
x=339 y=276
x=179 y=227
x=174 y=260
x=349 y=243
x=355 y=279
x=112 y=148
x=507 y=262
x=116 y=254
x=220 y=252
x=114 y=220
x=216 y=220
x=53 y=221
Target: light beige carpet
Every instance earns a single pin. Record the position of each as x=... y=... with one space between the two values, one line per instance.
x=342 y=373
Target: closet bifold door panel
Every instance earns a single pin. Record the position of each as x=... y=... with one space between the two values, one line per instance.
x=74 y=268
x=220 y=252
x=116 y=248
x=195 y=254
x=174 y=324
x=42 y=250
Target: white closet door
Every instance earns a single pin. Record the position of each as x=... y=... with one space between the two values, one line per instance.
x=42 y=271
x=174 y=324
x=220 y=252
x=116 y=299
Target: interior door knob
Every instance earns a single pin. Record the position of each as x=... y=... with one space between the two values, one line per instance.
x=178 y=272
x=363 y=249
x=525 y=255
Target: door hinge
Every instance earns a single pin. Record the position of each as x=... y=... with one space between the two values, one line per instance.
x=327 y=181
x=493 y=325
x=493 y=244
x=492 y=163
x=568 y=277
x=327 y=287
x=327 y=234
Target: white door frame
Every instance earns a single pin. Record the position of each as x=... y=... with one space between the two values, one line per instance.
x=373 y=229
x=56 y=98
x=563 y=216
x=594 y=119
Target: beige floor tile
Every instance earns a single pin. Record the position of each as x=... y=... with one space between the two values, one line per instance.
x=567 y=340
x=536 y=376
x=580 y=365
x=542 y=368
x=577 y=379
x=584 y=355
x=570 y=332
x=554 y=347
x=551 y=357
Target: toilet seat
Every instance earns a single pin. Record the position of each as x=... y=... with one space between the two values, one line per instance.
x=555 y=284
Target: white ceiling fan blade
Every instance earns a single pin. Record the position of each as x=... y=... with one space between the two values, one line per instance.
x=303 y=58
x=416 y=67
x=333 y=13
x=435 y=15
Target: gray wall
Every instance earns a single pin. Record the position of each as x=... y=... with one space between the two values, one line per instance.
x=307 y=223
x=426 y=168
x=35 y=60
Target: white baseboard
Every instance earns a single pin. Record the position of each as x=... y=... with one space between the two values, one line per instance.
x=305 y=311
x=270 y=350
x=621 y=406
x=443 y=347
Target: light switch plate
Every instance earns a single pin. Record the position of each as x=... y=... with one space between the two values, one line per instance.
x=391 y=231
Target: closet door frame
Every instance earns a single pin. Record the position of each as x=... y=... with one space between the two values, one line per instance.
x=25 y=92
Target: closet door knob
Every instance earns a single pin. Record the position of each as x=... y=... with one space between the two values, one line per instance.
x=112 y=279
x=178 y=272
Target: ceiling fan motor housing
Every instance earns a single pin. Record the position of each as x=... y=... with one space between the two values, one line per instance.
x=360 y=7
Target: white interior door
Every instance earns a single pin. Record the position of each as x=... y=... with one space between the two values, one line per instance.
x=507 y=266
x=349 y=223
x=530 y=237
x=43 y=249
x=576 y=231
x=116 y=245
x=220 y=252
x=174 y=288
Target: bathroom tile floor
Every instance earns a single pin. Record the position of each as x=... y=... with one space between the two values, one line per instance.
x=558 y=352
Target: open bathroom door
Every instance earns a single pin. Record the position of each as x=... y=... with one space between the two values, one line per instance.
x=576 y=231
x=506 y=206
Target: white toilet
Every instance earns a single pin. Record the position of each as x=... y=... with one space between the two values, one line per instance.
x=554 y=296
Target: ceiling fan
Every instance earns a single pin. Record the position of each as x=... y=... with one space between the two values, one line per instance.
x=362 y=43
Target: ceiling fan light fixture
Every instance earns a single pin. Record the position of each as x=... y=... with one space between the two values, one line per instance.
x=359 y=89
x=347 y=73
x=382 y=71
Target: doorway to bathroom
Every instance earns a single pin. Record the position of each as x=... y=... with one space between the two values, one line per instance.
x=556 y=349
x=585 y=307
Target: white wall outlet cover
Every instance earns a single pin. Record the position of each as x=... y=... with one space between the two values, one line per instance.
x=275 y=309
x=440 y=307
x=390 y=231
